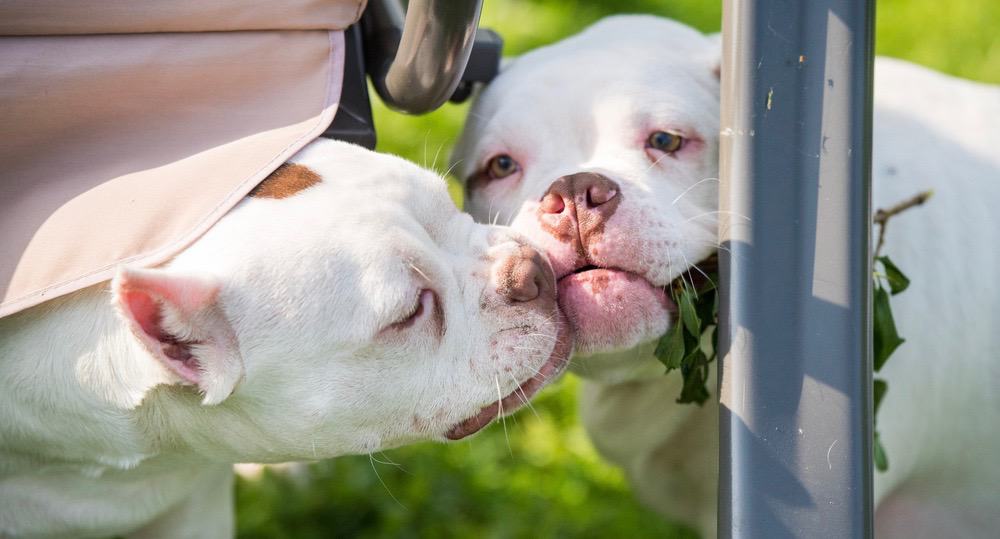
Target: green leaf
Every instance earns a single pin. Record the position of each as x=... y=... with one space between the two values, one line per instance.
x=878 y=392
x=708 y=285
x=689 y=314
x=691 y=344
x=715 y=307
x=886 y=338
x=715 y=339
x=681 y=347
x=695 y=372
x=897 y=280
x=670 y=349
x=705 y=308
x=881 y=460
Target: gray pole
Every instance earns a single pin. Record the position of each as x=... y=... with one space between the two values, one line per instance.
x=795 y=424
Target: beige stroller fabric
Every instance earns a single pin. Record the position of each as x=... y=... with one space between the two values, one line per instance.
x=127 y=129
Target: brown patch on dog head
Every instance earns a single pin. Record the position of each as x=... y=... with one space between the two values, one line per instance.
x=289 y=179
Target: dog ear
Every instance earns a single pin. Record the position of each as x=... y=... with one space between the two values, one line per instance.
x=178 y=320
x=716 y=53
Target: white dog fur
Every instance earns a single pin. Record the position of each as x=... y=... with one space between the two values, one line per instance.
x=588 y=104
x=357 y=312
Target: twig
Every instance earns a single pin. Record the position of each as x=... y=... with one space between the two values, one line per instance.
x=882 y=216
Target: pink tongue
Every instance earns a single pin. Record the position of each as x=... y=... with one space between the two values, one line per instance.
x=612 y=309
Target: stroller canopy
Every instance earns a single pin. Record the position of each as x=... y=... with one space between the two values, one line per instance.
x=129 y=129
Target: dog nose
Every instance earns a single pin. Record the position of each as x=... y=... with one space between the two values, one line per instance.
x=583 y=191
x=523 y=275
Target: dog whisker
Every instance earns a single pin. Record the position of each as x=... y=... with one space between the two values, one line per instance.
x=371 y=460
x=427 y=135
x=450 y=169
x=527 y=348
x=419 y=271
x=717 y=212
x=715 y=244
x=436 y=155
x=525 y=400
x=541 y=336
x=686 y=191
x=657 y=162
x=388 y=462
x=500 y=416
x=695 y=267
x=548 y=338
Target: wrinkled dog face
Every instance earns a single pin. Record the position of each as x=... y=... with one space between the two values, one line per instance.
x=348 y=309
x=603 y=149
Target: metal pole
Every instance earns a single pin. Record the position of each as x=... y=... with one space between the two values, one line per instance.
x=795 y=385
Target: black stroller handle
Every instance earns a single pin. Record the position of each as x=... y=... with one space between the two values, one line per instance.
x=416 y=57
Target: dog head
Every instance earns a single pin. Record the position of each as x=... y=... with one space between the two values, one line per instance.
x=603 y=149
x=346 y=306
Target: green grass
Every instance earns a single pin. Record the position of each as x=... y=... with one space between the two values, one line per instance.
x=546 y=481
x=961 y=38
x=542 y=478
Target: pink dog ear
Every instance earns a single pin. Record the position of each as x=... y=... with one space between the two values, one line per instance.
x=177 y=319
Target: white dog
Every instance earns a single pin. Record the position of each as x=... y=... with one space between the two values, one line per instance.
x=603 y=148
x=344 y=307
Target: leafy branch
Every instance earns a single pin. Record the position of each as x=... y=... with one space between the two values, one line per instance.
x=687 y=345
x=885 y=337
x=691 y=342
x=882 y=216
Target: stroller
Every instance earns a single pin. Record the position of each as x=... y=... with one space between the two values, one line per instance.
x=128 y=133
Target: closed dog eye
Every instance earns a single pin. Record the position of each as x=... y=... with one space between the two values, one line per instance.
x=425 y=304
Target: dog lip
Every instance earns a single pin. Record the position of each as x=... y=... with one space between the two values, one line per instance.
x=592 y=267
x=585 y=266
x=551 y=369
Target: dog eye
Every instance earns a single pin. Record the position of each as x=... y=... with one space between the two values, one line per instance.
x=501 y=166
x=664 y=141
x=425 y=304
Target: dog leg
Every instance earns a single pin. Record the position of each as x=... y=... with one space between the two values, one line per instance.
x=677 y=445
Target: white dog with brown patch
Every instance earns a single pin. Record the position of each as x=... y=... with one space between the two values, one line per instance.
x=603 y=149
x=346 y=306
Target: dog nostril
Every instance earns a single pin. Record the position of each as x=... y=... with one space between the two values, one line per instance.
x=599 y=194
x=525 y=286
x=525 y=279
x=525 y=293
x=553 y=203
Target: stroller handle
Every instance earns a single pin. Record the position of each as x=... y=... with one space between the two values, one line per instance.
x=416 y=57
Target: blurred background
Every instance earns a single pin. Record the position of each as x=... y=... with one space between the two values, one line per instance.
x=537 y=475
